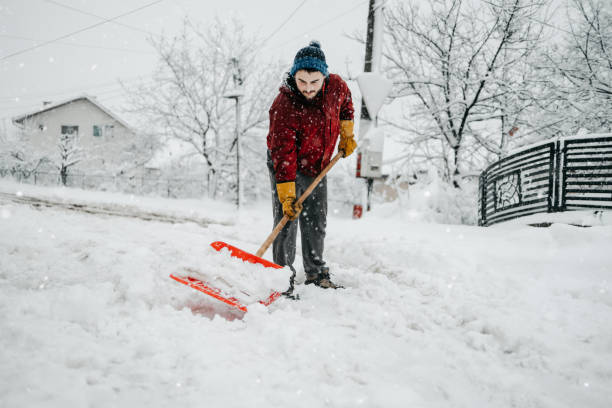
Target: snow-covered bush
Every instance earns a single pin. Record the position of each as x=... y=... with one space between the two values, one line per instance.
x=429 y=198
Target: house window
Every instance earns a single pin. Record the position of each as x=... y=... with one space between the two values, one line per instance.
x=103 y=130
x=70 y=130
x=109 y=130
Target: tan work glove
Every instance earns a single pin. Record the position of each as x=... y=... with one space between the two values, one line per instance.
x=286 y=196
x=347 y=138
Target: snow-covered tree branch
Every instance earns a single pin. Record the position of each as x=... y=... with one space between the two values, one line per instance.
x=186 y=98
x=461 y=62
x=580 y=70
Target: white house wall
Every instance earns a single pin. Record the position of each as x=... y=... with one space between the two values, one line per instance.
x=84 y=114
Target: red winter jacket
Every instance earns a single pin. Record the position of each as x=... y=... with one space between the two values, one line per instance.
x=303 y=133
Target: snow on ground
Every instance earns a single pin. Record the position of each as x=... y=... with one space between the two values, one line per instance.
x=432 y=315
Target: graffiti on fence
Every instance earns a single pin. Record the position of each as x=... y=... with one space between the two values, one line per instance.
x=507 y=190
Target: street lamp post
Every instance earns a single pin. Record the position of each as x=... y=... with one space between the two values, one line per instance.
x=236 y=94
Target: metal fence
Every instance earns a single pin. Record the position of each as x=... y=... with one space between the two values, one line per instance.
x=141 y=185
x=571 y=173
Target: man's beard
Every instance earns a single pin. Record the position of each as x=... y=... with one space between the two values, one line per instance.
x=310 y=95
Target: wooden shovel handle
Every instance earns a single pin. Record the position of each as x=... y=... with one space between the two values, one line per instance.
x=300 y=200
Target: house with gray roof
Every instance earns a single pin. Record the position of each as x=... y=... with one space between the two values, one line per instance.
x=83 y=116
x=102 y=138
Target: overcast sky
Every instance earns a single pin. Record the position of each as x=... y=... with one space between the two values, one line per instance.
x=91 y=61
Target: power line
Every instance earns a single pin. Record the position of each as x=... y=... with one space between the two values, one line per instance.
x=324 y=23
x=115 y=83
x=544 y=23
x=148 y=5
x=113 y=86
x=106 y=95
x=79 y=45
x=284 y=22
x=99 y=17
x=79 y=31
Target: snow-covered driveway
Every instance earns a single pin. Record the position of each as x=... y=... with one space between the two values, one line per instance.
x=433 y=315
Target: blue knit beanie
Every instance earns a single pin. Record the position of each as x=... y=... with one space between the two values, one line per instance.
x=311 y=57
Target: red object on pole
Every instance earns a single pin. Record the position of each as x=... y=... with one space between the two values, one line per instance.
x=358 y=172
x=357 y=211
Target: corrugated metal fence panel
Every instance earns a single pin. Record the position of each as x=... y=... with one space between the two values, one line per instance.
x=518 y=185
x=587 y=174
x=568 y=174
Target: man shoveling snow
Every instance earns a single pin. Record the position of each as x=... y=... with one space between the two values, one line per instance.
x=312 y=108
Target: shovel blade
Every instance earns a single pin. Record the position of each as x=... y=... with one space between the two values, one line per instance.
x=218 y=294
x=210 y=290
x=245 y=256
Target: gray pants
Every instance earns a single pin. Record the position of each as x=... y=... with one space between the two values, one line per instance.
x=312 y=220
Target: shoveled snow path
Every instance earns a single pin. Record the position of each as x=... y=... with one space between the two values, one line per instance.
x=433 y=316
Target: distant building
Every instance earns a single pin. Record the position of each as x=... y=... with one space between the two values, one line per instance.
x=83 y=117
x=102 y=137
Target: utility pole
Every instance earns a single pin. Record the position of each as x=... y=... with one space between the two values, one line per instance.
x=367 y=67
x=373 y=53
x=236 y=94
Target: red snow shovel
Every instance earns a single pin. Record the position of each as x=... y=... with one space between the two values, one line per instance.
x=247 y=257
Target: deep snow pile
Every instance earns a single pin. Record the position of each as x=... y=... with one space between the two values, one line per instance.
x=433 y=315
x=247 y=282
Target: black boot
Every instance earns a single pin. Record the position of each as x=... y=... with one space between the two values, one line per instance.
x=322 y=280
x=325 y=282
x=311 y=278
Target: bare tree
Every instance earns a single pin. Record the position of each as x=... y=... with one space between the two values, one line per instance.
x=24 y=154
x=69 y=155
x=579 y=70
x=458 y=64
x=185 y=98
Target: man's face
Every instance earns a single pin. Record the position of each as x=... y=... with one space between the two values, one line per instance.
x=309 y=83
